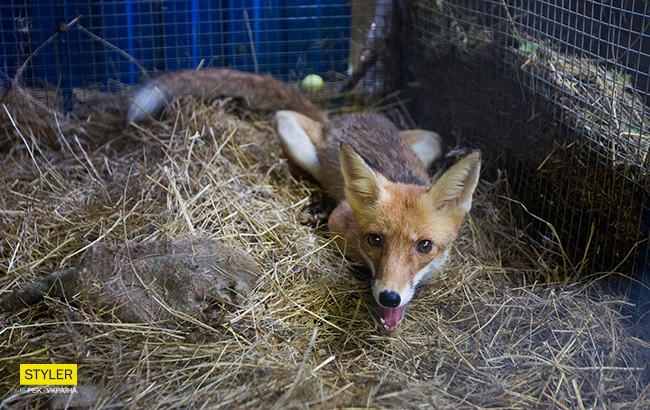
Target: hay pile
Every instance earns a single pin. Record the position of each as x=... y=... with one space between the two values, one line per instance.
x=483 y=336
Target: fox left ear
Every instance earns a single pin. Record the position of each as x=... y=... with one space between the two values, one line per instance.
x=362 y=184
x=456 y=186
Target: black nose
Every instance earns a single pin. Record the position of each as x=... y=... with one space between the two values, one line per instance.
x=389 y=299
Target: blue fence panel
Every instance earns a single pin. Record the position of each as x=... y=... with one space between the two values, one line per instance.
x=287 y=38
x=210 y=34
x=15 y=27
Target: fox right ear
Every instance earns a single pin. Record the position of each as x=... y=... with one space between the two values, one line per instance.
x=362 y=185
x=455 y=187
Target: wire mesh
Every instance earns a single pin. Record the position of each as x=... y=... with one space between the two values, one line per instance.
x=106 y=42
x=558 y=92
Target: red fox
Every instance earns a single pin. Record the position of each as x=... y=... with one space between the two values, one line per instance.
x=389 y=214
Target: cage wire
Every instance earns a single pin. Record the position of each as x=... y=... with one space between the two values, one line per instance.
x=116 y=43
x=555 y=93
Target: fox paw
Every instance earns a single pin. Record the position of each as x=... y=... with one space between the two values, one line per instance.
x=316 y=214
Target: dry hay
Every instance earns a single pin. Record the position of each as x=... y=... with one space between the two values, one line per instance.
x=482 y=336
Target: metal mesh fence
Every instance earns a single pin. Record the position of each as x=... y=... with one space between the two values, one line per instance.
x=89 y=42
x=555 y=93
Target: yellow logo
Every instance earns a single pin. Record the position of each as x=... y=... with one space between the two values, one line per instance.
x=48 y=374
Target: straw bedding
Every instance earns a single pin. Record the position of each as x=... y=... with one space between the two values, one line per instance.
x=488 y=334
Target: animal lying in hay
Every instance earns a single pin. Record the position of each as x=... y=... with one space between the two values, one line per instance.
x=149 y=281
x=389 y=214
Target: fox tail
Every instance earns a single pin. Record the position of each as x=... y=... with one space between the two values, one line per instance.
x=256 y=92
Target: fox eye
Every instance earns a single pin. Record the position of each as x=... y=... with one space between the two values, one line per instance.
x=425 y=246
x=374 y=240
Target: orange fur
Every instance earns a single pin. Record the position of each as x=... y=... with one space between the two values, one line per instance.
x=403 y=216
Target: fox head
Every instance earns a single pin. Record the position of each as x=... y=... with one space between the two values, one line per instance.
x=404 y=230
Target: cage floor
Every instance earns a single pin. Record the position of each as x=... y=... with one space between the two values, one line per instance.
x=490 y=333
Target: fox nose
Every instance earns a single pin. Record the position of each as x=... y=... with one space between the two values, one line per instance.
x=389 y=299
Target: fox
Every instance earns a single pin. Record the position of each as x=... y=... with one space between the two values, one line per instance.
x=390 y=214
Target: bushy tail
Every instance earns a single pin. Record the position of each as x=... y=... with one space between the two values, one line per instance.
x=257 y=92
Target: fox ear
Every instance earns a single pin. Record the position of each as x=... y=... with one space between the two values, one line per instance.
x=456 y=186
x=362 y=184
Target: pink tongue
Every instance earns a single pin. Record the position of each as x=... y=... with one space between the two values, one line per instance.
x=392 y=317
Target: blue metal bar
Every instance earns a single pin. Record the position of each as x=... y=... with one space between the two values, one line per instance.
x=257 y=21
x=195 y=36
x=64 y=62
x=319 y=36
x=129 y=33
